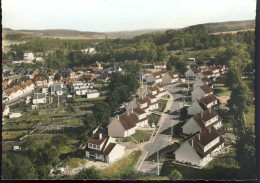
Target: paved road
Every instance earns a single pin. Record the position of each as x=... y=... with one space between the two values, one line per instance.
x=162 y=140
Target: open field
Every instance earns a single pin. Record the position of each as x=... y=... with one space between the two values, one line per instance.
x=153 y=118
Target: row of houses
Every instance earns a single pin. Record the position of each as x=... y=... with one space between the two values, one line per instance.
x=163 y=77
x=212 y=72
x=205 y=141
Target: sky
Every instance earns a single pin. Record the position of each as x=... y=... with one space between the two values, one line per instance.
x=120 y=15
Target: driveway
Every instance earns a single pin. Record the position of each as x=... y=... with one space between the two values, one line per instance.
x=162 y=139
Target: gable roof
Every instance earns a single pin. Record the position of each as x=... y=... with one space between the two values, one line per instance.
x=213 y=68
x=160 y=63
x=172 y=73
x=219 y=66
x=142 y=100
x=208 y=99
x=128 y=121
x=206 y=79
x=94 y=139
x=195 y=70
x=152 y=88
x=139 y=111
x=206 y=89
x=206 y=136
x=207 y=73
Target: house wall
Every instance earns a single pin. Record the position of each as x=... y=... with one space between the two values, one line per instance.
x=166 y=79
x=197 y=93
x=92 y=95
x=190 y=127
x=152 y=92
x=189 y=73
x=150 y=78
x=142 y=124
x=39 y=101
x=211 y=144
x=199 y=76
x=186 y=153
x=209 y=122
x=194 y=108
x=129 y=132
x=115 y=129
x=116 y=154
x=158 y=80
x=198 y=83
x=6 y=111
x=212 y=103
x=218 y=125
x=142 y=116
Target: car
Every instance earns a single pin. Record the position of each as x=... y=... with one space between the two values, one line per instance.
x=153 y=125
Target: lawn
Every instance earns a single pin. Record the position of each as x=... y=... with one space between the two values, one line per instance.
x=139 y=136
x=121 y=167
x=18 y=125
x=162 y=104
x=221 y=90
x=11 y=135
x=153 y=118
x=73 y=162
x=215 y=170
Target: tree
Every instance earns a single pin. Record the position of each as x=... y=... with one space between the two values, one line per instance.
x=101 y=112
x=175 y=175
x=90 y=121
x=88 y=173
x=16 y=166
x=59 y=141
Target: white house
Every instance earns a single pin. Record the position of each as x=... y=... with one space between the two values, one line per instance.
x=92 y=94
x=200 y=149
x=15 y=115
x=39 y=98
x=201 y=92
x=209 y=74
x=126 y=124
x=104 y=148
x=170 y=77
x=155 y=77
x=28 y=56
x=89 y=51
x=222 y=69
x=203 y=81
x=160 y=65
x=201 y=121
x=40 y=81
x=215 y=70
x=56 y=89
x=5 y=110
x=202 y=104
x=28 y=86
x=192 y=73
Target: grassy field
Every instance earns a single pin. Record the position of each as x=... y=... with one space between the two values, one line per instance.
x=153 y=118
x=140 y=136
x=73 y=162
x=121 y=167
x=18 y=125
x=216 y=170
x=162 y=104
x=221 y=90
x=11 y=135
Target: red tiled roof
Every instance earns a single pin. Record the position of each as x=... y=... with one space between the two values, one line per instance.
x=208 y=99
x=213 y=68
x=128 y=121
x=26 y=84
x=160 y=63
x=206 y=136
x=106 y=149
x=195 y=70
x=207 y=73
x=152 y=88
x=151 y=96
x=219 y=66
x=206 y=89
x=172 y=73
x=206 y=79
x=94 y=139
x=39 y=79
x=142 y=100
x=139 y=111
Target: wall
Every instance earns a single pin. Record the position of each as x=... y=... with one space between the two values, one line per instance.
x=194 y=108
x=115 y=129
x=190 y=127
x=117 y=153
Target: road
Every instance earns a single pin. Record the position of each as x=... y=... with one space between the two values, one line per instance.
x=162 y=140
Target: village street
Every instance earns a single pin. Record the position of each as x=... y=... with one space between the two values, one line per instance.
x=162 y=141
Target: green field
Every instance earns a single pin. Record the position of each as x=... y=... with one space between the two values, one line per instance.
x=162 y=104
x=221 y=90
x=216 y=170
x=121 y=167
x=11 y=135
x=153 y=118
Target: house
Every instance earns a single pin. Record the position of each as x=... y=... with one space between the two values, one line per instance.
x=28 y=86
x=160 y=65
x=56 y=89
x=40 y=81
x=103 y=78
x=222 y=69
x=215 y=70
x=202 y=104
x=67 y=73
x=201 y=92
x=147 y=103
x=125 y=125
x=203 y=81
x=155 y=77
x=92 y=94
x=200 y=76
x=170 y=77
x=89 y=51
x=39 y=59
x=5 y=110
x=15 y=115
x=39 y=98
x=200 y=121
x=104 y=148
x=57 y=77
x=200 y=149
x=50 y=75
x=191 y=60
x=160 y=90
x=192 y=73
x=89 y=77
x=209 y=74
x=28 y=56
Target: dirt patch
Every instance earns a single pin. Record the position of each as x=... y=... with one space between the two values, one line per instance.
x=223 y=99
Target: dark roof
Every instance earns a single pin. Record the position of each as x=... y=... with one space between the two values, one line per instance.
x=208 y=114
x=94 y=139
x=128 y=121
x=152 y=88
x=195 y=70
x=206 y=136
x=200 y=120
x=207 y=73
x=141 y=100
x=109 y=148
x=213 y=67
x=160 y=63
x=208 y=99
x=139 y=111
x=206 y=79
x=151 y=96
x=206 y=89
x=172 y=73
x=219 y=66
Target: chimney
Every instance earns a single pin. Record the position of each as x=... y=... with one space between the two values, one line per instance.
x=132 y=110
x=210 y=110
x=192 y=142
x=100 y=135
x=127 y=113
x=209 y=130
x=198 y=136
x=201 y=114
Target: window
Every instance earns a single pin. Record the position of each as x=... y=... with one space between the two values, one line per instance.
x=98 y=147
x=94 y=146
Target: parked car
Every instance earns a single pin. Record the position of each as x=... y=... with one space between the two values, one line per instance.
x=153 y=125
